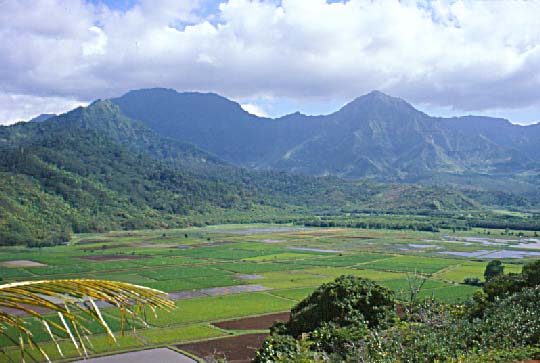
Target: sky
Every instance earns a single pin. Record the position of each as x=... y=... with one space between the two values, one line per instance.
x=273 y=57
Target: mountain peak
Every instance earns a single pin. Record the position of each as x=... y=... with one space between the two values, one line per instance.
x=378 y=100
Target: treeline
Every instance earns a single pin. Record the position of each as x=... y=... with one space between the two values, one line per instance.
x=425 y=222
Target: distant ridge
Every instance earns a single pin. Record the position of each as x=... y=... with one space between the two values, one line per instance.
x=374 y=136
x=42 y=117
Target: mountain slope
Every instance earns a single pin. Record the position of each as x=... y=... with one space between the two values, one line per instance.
x=94 y=169
x=374 y=136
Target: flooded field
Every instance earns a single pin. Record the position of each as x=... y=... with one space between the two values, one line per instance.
x=161 y=355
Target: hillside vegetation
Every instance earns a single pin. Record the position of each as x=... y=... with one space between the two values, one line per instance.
x=94 y=169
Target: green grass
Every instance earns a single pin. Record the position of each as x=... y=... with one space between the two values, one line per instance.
x=99 y=343
x=221 y=307
x=367 y=274
x=124 y=277
x=451 y=294
x=194 y=283
x=167 y=260
x=103 y=343
x=252 y=268
x=294 y=294
x=411 y=264
x=14 y=272
x=81 y=266
x=345 y=260
x=403 y=284
x=472 y=269
x=277 y=257
x=290 y=279
x=181 y=272
x=179 y=334
x=226 y=252
x=41 y=335
x=292 y=274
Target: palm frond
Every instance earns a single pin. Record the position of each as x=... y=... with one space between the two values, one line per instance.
x=75 y=302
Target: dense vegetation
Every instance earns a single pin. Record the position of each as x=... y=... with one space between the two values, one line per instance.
x=353 y=320
x=94 y=169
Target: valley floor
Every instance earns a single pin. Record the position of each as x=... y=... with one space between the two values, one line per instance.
x=220 y=275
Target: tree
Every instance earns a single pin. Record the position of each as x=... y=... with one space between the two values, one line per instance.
x=502 y=285
x=531 y=273
x=345 y=301
x=493 y=269
x=79 y=306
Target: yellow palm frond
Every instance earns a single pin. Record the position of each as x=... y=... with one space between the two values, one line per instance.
x=75 y=303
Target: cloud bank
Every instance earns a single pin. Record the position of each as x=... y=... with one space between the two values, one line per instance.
x=463 y=55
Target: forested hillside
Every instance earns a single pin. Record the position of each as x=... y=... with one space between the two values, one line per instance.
x=94 y=169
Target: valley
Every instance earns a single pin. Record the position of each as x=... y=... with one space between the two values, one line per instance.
x=219 y=274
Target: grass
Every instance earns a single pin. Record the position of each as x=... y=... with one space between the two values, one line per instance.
x=292 y=275
x=99 y=344
x=193 y=283
x=40 y=334
x=367 y=274
x=472 y=269
x=451 y=294
x=277 y=257
x=12 y=272
x=290 y=279
x=411 y=264
x=294 y=294
x=226 y=252
x=252 y=268
x=221 y=307
x=179 y=334
x=125 y=277
x=181 y=272
x=344 y=261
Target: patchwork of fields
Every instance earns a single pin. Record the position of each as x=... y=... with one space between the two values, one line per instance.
x=228 y=272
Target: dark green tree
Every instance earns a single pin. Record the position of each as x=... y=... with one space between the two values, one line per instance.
x=493 y=269
x=343 y=302
x=531 y=273
x=503 y=285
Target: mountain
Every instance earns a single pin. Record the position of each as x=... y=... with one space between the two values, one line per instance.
x=42 y=117
x=374 y=136
x=70 y=174
x=95 y=169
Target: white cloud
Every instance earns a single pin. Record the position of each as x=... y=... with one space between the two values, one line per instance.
x=16 y=108
x=464 y=55
x=254 y=110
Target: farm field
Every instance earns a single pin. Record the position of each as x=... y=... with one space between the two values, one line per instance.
x=225 y=273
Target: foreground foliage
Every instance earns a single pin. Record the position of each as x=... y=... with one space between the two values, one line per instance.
x=504 y=328
x=76 y=304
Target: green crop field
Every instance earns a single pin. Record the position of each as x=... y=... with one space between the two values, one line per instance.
x=251 y=270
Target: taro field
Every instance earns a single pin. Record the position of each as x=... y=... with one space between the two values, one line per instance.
x=229 y=282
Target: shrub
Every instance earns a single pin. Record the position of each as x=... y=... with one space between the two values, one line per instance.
x=493 y=269
x=345 y=301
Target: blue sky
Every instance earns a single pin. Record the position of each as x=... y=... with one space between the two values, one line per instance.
x=274 y=57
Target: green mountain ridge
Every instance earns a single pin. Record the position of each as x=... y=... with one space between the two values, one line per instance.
x=94 y=169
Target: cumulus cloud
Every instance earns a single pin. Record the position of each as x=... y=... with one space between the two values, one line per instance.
x=14 y=108
x=254 y=110
x=464 y=55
